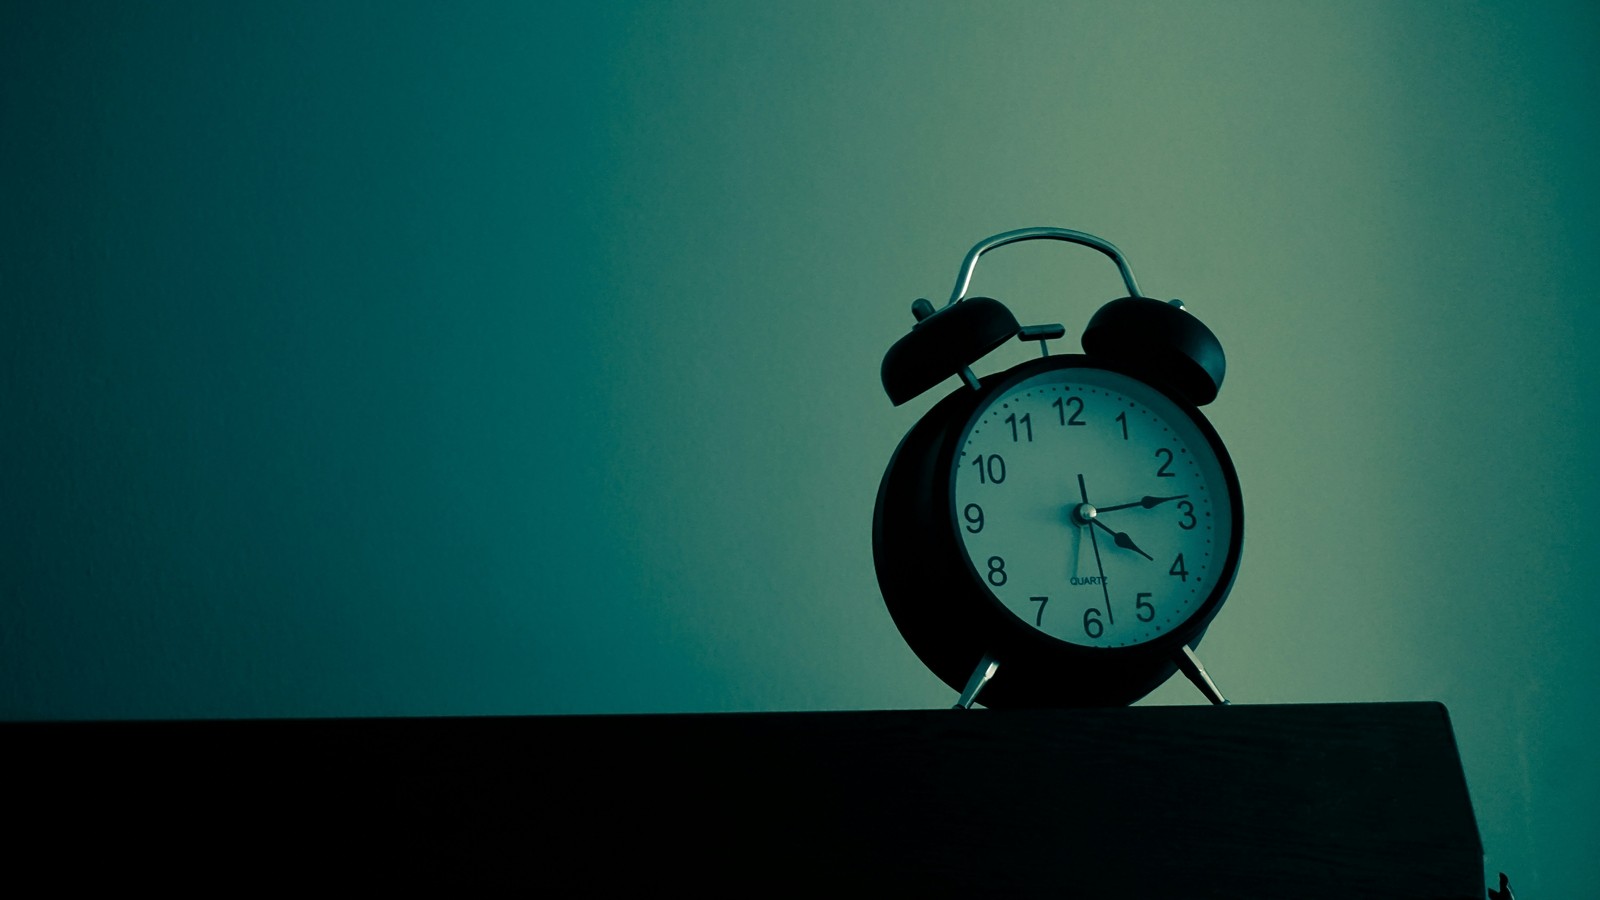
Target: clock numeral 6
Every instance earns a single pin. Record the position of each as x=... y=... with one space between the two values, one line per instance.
x=1092 y=626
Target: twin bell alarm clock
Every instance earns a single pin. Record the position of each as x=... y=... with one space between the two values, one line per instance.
x=1060 y=533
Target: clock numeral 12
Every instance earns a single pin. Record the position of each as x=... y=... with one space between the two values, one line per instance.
x=1076 y=403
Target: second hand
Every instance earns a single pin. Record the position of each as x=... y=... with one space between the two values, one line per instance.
x=1099 y=566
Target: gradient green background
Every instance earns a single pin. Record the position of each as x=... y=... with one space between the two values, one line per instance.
x=399 y=359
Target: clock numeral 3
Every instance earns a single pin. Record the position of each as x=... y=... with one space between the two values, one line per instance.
x=1189 y=521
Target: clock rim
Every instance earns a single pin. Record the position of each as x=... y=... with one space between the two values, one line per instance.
x=995 y=387
x=914 y=538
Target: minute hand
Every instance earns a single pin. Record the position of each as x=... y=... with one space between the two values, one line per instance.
x=1147 y=503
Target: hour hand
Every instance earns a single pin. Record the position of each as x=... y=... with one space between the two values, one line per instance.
x=1146 y=502
x=1122 y=540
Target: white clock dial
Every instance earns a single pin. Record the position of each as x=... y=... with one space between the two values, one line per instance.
x=1092 y=507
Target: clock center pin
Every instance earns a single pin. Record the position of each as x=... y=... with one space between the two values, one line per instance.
x=1083 y=513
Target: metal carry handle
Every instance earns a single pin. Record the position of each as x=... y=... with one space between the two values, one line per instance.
x=964 y=277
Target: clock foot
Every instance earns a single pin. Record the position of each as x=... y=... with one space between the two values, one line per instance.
x=980 y=677
x=1191 y=667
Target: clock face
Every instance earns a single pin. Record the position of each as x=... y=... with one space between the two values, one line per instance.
x=1093 y=507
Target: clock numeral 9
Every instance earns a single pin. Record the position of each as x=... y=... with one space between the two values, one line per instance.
x=991 y=468
x=1092 y=626
x=1146 y=611
x=997 y=571
x=974 y=516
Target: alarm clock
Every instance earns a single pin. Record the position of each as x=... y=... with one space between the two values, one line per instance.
x=1060 y=533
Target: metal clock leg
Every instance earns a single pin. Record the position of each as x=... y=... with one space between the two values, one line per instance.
x=980 y=677
x=1191 y=667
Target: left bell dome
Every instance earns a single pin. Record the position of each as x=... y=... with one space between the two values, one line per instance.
x=943 y=343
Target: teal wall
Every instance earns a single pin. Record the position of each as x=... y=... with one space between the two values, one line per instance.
x=415 y=359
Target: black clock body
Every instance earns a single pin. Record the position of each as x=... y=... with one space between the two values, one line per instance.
x=949 y=617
